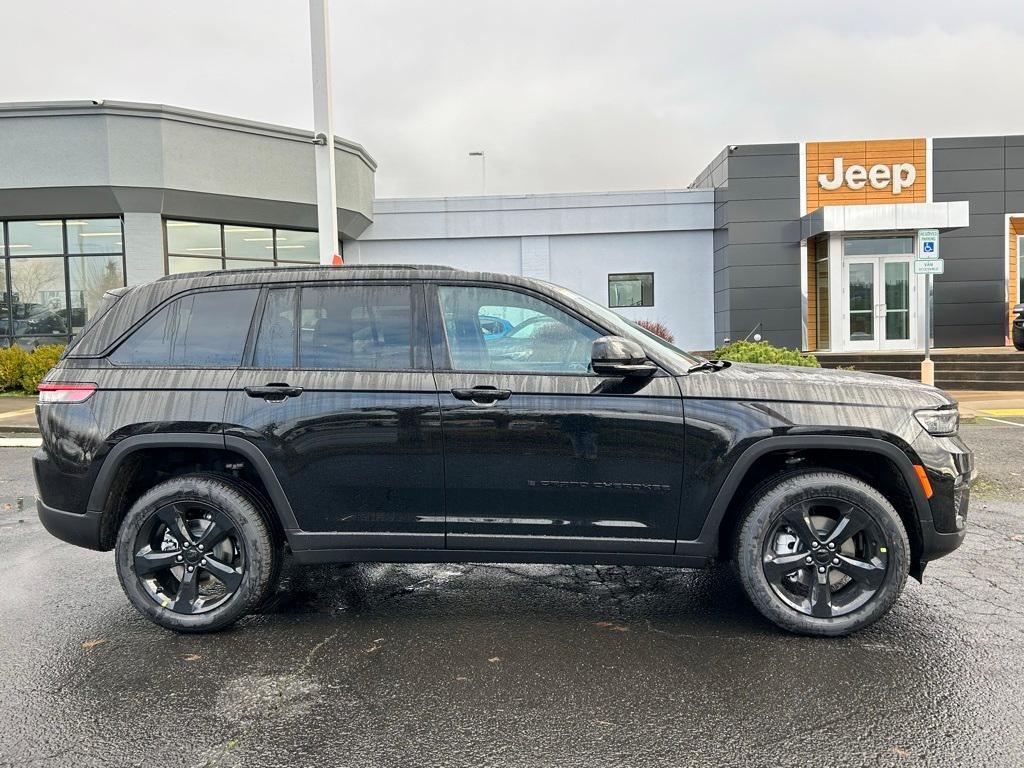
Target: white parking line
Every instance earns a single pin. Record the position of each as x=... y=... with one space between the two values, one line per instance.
x=1004 y=421
x=20 y=442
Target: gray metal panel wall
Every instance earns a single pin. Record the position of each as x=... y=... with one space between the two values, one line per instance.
x=970 y=298
x=757 y=245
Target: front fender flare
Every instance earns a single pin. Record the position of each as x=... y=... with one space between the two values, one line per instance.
x=707 y=541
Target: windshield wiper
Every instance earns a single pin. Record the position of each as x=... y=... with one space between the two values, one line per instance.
x=707 y=365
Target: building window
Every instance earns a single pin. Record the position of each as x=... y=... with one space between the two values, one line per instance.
x=197 y=246
x=631 y=290
x=53 y=274
x=877 y=246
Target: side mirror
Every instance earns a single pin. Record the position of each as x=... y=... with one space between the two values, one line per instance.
x=616 y=356
x=1018 y=309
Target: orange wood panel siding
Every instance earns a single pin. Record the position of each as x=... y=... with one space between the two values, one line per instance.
x=821 y=156
x=1013 y=294
x=812 y=298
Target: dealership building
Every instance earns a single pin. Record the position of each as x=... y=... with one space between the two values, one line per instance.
x=809 y=244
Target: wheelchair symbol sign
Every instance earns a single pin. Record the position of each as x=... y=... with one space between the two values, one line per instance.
x=929 y=246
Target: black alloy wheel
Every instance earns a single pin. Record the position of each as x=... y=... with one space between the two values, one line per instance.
x=189 y=557
x=820 y=552
x=195 y=553
x=825 y=557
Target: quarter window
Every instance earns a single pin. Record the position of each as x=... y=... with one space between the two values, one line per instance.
x=204 y=330
x=631 y=290
x=493 y=329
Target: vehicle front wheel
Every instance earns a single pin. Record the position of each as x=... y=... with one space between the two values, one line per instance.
x=821 y=553
x=195 y=553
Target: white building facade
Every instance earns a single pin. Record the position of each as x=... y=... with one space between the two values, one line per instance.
x=645 y=254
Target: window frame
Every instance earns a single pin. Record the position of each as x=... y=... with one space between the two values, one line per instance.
x=136 y=326
x=421 y=357
x=275 y=260
x=641 y=275
x=9 y=338
x=439 y=340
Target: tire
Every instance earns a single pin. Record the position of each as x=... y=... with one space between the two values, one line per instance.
x=163 y=533
x=842 y=589
x=1019 y=346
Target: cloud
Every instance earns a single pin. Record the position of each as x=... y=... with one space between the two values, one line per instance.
x=563 y=94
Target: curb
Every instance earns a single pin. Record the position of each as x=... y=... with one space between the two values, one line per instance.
x=14 y=429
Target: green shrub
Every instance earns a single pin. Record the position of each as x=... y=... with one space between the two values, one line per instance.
x=37 y=365
x=763 y=352
x=12 y=365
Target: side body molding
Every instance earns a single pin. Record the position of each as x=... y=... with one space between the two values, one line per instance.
x=707 y=542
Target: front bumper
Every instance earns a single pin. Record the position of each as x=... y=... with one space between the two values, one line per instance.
x=949 y=464
x=82 y=530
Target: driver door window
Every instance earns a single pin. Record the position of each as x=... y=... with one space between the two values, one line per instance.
x=497 y=330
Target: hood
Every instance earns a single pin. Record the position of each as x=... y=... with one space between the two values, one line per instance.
x=749 y=381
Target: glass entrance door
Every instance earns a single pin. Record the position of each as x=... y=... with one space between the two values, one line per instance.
x=879 y=302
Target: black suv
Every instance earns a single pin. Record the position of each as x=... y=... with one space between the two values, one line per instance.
x=205 y=425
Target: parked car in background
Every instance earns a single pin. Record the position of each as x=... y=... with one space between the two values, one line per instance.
x=1018 y=327
x=206 y=425
x=494 y=327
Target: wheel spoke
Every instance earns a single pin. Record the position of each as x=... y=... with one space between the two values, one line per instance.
x=215 y=532
x=852 y=521
x=224 y=573
x=777 y=566
x=188 y=592
x=172 y=517
x=147 y=561
x=869 y=573
x=797 y=517
x=820 y=598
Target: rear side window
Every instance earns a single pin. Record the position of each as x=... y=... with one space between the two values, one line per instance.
x=342 y=327
x=199 y=330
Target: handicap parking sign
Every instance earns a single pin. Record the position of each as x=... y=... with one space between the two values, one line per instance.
x=929 y=246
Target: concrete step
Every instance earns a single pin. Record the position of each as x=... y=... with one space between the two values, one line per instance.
x=982 y=384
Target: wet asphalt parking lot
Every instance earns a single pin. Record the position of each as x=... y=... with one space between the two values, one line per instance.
x=494 y=665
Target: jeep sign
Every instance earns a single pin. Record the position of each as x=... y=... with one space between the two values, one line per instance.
x=899 y=175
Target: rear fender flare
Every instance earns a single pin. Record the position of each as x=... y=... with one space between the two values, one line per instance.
x=114 y=461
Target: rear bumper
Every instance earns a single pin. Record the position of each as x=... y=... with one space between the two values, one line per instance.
x=82 y=530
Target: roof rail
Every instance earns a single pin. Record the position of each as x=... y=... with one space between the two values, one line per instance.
x=312 y=267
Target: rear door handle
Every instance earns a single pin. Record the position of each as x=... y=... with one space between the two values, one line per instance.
x=482 y=394
x=273 y=391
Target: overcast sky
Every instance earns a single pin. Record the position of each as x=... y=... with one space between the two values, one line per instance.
x=564 y=95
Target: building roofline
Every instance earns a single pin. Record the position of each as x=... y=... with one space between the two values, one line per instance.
x=537 y=196
x=179 y=114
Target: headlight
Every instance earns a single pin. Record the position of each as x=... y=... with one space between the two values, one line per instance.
x=939 y=423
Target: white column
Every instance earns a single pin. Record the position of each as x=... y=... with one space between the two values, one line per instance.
x=323 y=130
x=143 y=247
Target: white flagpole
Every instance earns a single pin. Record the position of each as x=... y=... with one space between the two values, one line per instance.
x=323 y=131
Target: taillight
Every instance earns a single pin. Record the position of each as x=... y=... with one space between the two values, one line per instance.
x=60 y=392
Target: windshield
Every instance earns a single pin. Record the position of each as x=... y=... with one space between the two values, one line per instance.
x=627 y=328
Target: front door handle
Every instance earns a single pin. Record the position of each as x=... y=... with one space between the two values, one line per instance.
x=273 y=391
x=482 y=394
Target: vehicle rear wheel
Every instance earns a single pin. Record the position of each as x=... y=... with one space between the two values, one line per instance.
x=821 y=553
x=195 y=553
